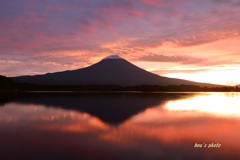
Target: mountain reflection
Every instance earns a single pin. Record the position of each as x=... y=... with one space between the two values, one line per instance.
x=153 y=126
x=112 y=108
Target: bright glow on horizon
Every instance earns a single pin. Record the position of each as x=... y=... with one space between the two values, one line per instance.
x=193 y=40
x=230 y=78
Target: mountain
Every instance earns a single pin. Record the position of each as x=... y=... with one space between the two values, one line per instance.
x=110 y=70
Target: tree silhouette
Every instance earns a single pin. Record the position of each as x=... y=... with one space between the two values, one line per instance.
x=7 y=83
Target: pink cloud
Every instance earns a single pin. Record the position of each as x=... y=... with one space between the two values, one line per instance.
x=159 y=3
x=171 y=58
x=52 y=28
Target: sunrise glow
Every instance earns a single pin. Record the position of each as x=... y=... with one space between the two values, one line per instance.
x=218 y=104
x=193 y=40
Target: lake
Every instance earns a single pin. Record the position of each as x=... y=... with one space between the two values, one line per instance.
x=120 y=126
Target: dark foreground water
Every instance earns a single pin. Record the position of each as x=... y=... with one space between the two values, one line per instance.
x=141 y=126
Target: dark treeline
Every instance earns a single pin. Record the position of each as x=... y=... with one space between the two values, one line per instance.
x=7 y=84
x=182 y=88
x=144 y=88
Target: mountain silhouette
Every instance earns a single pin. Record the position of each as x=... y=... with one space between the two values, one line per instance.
x=112 y=70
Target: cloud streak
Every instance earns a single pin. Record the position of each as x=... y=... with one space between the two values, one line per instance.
x=174 y=31
x=171 y=58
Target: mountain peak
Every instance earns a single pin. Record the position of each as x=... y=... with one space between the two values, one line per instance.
x=112 y=57
x=112 y=70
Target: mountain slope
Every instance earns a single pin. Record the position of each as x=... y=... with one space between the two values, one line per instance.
x=110 y=70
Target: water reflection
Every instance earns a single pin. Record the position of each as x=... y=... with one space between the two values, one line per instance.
x=112 y=108
x=219 y=104
x=157 y=126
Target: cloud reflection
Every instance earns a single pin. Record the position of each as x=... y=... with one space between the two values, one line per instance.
x=218 y=104
x=156 y=132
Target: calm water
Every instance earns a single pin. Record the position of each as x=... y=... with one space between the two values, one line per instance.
x=167 y=126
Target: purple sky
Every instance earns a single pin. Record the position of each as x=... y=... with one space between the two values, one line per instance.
x=195 y=40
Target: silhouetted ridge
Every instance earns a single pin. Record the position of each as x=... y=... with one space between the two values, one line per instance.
x=112 y=70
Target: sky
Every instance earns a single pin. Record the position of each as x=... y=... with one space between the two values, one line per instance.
x=187 y=39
